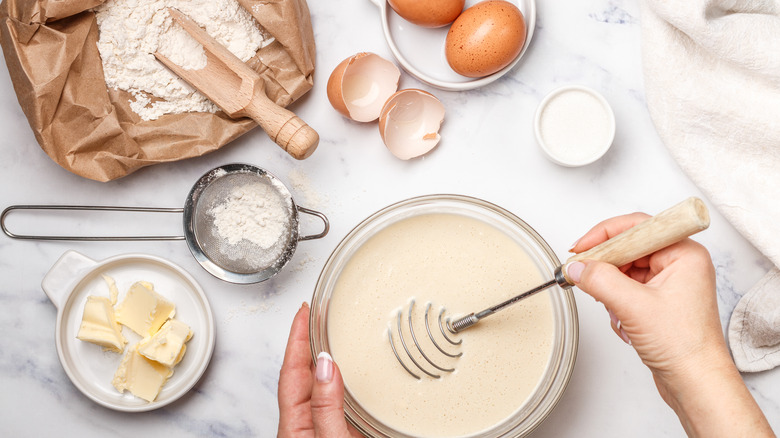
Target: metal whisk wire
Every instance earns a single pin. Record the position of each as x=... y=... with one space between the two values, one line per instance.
x=441 y=327
x=417 y=344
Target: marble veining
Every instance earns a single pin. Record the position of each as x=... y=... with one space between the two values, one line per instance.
x=487 y=150
x=614 y=13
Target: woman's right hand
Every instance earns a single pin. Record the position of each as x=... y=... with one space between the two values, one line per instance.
x=665 y=306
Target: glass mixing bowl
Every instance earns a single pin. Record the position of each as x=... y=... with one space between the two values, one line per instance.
x=565 y=335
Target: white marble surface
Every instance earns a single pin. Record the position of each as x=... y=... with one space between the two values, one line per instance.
x=487 y=151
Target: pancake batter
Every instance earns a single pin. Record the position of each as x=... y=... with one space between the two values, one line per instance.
x=466 y=265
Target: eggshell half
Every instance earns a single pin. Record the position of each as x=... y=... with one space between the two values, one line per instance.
x=361 y=84
x=409 y=123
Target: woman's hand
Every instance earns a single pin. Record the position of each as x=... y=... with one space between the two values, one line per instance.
x=310 y=397
x=665 y=305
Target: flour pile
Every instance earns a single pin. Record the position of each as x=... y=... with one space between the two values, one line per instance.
x=253 y=212
x=132 y=30
x=251 y=226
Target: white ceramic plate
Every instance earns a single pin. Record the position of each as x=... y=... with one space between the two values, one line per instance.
x=420 y=50
x=75 y=276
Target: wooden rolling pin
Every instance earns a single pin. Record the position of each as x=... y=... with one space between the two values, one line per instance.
x=240 y=92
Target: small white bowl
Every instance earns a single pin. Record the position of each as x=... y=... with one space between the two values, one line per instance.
x=420 y=50
x=574 y=126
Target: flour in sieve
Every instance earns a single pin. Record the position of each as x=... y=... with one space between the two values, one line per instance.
x=252 y=214
x=130 y=31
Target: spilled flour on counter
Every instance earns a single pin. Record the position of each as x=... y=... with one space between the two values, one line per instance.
x=251 y=309
x=130 y=31
x=311 y=197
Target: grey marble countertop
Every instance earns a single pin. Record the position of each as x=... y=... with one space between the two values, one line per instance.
x=487 y=150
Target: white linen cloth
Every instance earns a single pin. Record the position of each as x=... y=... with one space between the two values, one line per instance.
x=712 y=80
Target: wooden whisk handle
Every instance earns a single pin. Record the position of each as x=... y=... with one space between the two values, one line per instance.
x=664 y=229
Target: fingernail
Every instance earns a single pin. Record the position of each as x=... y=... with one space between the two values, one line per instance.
x=574 y=269
x=613 y=318
x=625 y=337
x=571 y=248
x=324 y=372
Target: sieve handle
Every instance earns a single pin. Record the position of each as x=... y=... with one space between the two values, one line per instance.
x=326 y=224
x=8 y=233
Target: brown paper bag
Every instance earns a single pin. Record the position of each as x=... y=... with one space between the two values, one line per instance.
x=50 y=47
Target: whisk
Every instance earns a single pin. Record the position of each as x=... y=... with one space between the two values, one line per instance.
x=666 y=228
x=403 y=341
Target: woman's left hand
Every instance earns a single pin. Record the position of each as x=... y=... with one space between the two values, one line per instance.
x=311 y=398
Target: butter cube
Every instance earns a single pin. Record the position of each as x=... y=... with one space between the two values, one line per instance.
x=144 y=378
x=99 y=326
x=167 y=346
x=113 y=291
x=144 y=310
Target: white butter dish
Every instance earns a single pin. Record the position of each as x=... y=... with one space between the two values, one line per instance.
x=74 y=277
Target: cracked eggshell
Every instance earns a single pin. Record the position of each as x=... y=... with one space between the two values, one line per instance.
x=361 y=84
x=409 y=123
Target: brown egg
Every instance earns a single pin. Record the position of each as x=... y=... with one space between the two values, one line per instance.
x=428 y=13
x=485 y=38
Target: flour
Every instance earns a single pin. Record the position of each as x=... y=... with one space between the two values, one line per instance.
x=130 y=31
x=303 y=185
x=253 y=212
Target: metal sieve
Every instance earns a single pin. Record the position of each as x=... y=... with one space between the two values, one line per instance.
x=241 y=260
